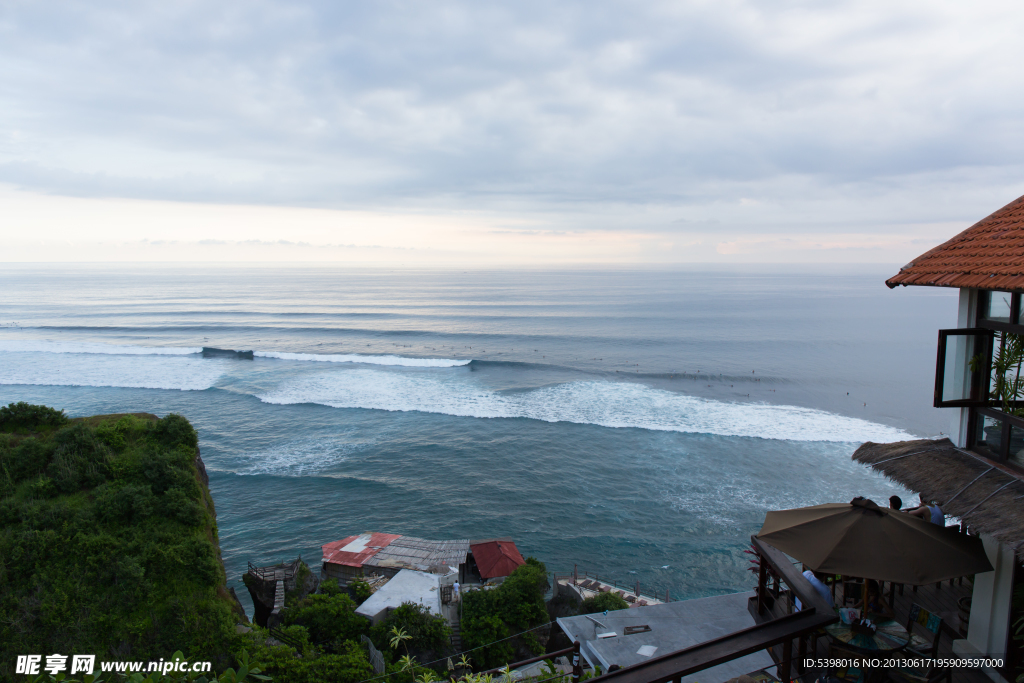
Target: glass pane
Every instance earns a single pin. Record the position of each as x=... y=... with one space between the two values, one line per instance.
x=989 y=434
x=956 y=378
x=1016 y=445
x=996 y=306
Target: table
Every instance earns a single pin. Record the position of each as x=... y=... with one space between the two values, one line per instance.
x=889 y=637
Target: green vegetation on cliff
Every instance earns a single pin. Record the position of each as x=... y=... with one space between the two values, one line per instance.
x=108 y=540
x=513 y=607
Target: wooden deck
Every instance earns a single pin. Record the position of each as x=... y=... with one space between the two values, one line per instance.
x=938 y=600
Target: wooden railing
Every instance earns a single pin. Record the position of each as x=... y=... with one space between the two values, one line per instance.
x=269 y=573
x=816 y=614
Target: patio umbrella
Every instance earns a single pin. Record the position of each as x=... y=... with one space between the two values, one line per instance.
x=861 y=539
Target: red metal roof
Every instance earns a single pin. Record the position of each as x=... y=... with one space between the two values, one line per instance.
x=355 y=550
x=987 y=255
x=496 y=558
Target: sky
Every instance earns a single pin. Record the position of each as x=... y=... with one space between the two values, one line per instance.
x=533 y=133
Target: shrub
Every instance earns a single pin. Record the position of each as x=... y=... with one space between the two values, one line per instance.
x=605 y=602
x=429 y=635
x=328 y=617
x=21 y=416
x=360 y=591
x=513 y=607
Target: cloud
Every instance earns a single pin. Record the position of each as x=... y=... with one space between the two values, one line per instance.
x=723 y=119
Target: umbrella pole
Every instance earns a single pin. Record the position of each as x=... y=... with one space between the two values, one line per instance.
x=864 y=601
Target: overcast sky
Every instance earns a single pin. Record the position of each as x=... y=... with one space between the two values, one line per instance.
x=525 y=132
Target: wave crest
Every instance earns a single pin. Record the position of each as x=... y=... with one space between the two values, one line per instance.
x=598 y=402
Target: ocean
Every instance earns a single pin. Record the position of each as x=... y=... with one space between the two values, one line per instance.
x=636 y=423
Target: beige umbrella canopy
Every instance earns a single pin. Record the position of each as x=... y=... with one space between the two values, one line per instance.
x=861 y=539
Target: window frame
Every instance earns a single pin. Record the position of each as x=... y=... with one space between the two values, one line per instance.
x=976 y=409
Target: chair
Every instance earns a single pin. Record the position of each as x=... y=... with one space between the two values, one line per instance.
x=932 y=623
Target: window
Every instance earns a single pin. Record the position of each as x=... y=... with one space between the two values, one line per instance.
x=982 y=368
x=962 y=367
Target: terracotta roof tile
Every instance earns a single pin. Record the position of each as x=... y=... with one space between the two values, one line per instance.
x=987 y=255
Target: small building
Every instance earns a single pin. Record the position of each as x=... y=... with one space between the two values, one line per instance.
x=495 y=557
x=627 y=637
x=407 y=585
x=978 y=476
x=388 y=554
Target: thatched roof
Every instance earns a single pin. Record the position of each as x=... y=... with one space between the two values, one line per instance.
x=982 y=494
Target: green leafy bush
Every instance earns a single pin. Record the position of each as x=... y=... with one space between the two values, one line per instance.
x=429 y=635
x=24 y=417
x=604 y=602
x=360 y=591
x=513 y=607
x=328 y=617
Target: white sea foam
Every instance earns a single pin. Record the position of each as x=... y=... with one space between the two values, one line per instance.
x=604 y=403
x=45 y=346
x=300 y=457
x=369 y=360
x=106 y=370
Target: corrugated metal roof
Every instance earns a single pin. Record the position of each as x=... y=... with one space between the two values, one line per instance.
x=407 y=552
x=987 y=255
x=354 y=551
x=496 y=558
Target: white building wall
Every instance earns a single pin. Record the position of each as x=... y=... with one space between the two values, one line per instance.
x=966 y=317
x=990 y=601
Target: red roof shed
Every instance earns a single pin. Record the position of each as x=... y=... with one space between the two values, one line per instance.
x=497 y=557
x=355 y=550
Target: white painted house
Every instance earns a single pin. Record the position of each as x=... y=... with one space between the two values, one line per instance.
x=979 y=478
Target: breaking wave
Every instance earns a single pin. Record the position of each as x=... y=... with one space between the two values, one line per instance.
x=368 y=360
x=596 y=402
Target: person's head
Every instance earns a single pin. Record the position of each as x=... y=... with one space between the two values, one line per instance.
x=873 y=588
x=820 y=576
x=895 y=502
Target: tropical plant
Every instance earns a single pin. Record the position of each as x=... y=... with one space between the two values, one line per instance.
x=1007 y=382
x=399 y=636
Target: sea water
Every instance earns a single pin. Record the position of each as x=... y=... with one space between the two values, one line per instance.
x=636 y=423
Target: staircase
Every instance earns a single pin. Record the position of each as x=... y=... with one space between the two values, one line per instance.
x=456 y=637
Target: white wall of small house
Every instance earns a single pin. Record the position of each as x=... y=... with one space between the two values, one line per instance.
x=966 y=317
x=993 y=591
x=990 y=608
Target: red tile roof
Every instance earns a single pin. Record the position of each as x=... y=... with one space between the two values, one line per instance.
x=496 y=558
x=987 y=255
x=362 y=548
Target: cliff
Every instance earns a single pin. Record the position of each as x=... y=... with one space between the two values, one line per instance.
x=108 y=540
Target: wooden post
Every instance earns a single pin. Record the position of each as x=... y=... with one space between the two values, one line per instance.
x=762 y=585
x=577 y=667
x=787 y=657
x=637 y=591
x=666 y=595
x=575 y=575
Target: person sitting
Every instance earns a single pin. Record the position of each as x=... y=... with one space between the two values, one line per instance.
x=876 y=603
x=929 y=513
x=817 y=579
x=895 y=503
